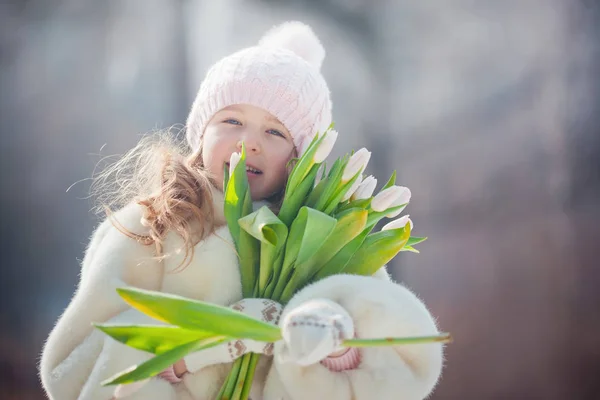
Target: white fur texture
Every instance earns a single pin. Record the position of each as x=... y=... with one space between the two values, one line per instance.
x=76 y=357
x=379 y=308
x=297 y=37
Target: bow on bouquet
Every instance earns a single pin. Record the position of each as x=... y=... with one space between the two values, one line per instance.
x=324 y=227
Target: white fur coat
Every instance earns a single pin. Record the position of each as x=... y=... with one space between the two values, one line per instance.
x=77 y=357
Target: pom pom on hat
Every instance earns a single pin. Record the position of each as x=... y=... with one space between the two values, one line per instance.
x=298 y=38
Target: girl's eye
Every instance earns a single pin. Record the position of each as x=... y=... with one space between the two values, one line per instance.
x=276 y=133
x=232 y=121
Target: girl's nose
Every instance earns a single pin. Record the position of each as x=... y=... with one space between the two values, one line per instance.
x=252 y=144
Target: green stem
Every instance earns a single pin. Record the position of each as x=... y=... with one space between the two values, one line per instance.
x=229 y=384
x=221 y=394
x=289 y=291
x=441 y=338
x=281 y=284
x=250 y=376
x=241 y=379
x=268 y=294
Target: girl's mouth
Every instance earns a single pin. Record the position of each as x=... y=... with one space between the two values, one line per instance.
x=251 y=170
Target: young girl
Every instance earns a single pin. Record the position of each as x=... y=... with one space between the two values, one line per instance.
x=170 y=235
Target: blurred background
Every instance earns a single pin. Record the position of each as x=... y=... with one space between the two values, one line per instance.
x=489 y=110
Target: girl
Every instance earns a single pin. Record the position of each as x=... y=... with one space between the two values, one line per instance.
x=170 y=235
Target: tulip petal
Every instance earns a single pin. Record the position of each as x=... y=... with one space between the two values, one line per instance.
x=358 y=162
x=384 y=199
x=352 y=189
x=398 y=223
x=325 y=146
x=234 y=159
x=366 y=188
x=404 y=198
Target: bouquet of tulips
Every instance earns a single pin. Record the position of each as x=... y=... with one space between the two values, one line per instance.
x=324 y=227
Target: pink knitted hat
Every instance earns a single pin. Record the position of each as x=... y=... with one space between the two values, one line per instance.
x=281 y=75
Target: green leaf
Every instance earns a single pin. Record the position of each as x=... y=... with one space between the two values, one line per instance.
x=199 y=315
x=362 y=203
x=332 y=183
x=348 y=226
x=275 y=277
x=307 y=235
x=394 y=341
x=415 y=240
x=376 y=216
x=265 y=226
x=272 y=233
x=410 y=248
x=238 y=204
x=292 y=201
x=156 y=339
x=315 y=227
x=281 y=283
x=235 y=194
x=335 y=199
x=377 y=249
x=337 y=264
x=304 y=164
x=249 y=252
x=411 y=242
x=159 y=363
x=315 y=195
x=324 y=173
x=391 y=182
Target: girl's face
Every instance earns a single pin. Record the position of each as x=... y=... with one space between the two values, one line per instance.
x=269 y=147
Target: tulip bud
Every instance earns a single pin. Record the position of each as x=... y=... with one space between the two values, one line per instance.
x=325 y=146
x=398 y=223
x=403 y=199
x=358 y=162
x=233 y=161
x=387 y=197
x=352 y=188
x=366 y=188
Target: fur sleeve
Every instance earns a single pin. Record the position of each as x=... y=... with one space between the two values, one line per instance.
x=379 y=308
x=112 y=260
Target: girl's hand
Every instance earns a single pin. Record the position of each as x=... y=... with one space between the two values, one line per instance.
x=313 y=331
x=180 y=368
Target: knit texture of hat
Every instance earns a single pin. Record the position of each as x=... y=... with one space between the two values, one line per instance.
x=280 y=75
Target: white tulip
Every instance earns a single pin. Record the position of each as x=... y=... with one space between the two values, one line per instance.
x=233 y=161
x=390 y=196
x=357 y=163
x=399 y=223
x=352 y=188
x=366 y=188
x=325 y=146
x=403 y=199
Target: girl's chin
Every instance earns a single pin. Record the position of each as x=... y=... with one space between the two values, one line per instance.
x=256 y=194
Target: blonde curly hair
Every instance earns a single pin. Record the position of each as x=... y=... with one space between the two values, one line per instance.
x=169 y=181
